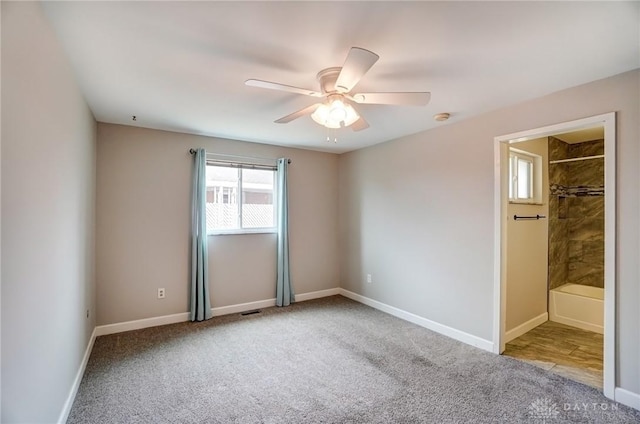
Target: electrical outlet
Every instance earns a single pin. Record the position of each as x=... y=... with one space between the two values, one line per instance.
x=87 y=313
x=160 y=293
x=369 y=279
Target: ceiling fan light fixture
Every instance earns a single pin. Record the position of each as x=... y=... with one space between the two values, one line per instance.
x=335 y=114
x=337 y=111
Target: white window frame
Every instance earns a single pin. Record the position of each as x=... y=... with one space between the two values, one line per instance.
x=240 y=200
x=535 y=178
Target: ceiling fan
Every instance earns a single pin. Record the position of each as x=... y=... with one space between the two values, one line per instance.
x=336 y=85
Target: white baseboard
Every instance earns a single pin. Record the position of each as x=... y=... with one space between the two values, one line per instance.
x=317 y=294
x=234 y=309
x=241 y=307
x=103 y=330
x=423 y=322
x=628 y=398
x=66 y=409
x=120 y=327
x=518 y=331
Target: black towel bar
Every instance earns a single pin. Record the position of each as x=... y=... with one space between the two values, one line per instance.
x=516 y=217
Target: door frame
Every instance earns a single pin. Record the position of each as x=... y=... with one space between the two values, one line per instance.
x=501 y=143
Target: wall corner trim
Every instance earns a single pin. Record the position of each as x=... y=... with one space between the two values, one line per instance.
x=66 y=409
x=627 y=398
x=525 y=327
x=458 y=335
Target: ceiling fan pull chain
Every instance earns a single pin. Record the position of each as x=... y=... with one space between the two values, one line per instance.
x=332 y=134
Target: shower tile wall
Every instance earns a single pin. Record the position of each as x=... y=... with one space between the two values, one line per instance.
x=576 y=214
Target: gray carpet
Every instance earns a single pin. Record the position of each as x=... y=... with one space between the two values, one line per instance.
x=329 y=360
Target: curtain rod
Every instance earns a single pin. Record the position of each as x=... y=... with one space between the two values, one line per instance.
x=576 y=159
x=193 y=151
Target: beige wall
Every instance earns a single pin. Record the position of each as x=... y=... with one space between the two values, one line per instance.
x=143 y=224
x=527 y=250
x=48 y=185
x=418 y=214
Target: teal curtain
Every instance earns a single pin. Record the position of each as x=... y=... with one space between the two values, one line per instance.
x=284 y=290
x=200 y=304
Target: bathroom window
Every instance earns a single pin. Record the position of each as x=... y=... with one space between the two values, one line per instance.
x=524 y=177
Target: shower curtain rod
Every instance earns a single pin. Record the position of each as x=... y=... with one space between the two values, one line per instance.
x=192 y=151
x=576 y=159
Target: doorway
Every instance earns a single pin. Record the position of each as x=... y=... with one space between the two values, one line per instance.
x=505 y=146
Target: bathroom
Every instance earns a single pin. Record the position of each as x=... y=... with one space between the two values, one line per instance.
x=556 y=255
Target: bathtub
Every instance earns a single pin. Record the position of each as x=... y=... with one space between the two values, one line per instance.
x=578 y=306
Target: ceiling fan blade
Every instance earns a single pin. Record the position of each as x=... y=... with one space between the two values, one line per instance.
x=358 y=62
x=408 y=99
x=360 y=124
x=306 y=111
x=281 y=87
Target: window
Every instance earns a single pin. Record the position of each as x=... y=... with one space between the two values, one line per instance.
x=524 y=177
x=240 y=199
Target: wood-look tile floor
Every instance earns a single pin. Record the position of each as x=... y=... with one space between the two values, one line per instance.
x=568 y=351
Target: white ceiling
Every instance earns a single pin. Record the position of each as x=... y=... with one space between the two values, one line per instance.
x=181 y=66
x=581 y=136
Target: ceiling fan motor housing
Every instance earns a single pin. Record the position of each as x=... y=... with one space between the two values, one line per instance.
x=327 y=78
